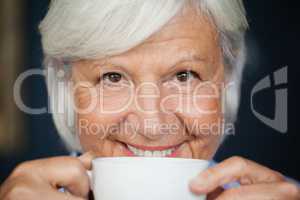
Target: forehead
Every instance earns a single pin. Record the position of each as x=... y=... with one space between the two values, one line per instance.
x=189 y=32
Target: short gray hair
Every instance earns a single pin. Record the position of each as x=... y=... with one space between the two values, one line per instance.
x=89 y=29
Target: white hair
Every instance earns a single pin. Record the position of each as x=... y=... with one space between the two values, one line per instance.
x=89 y=29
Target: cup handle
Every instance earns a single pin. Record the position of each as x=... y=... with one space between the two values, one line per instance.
x=90 y=175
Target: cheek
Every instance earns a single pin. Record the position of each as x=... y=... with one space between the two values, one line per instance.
x=203 y=104
x=114 y=100
x=94 y=131
x=89 y=130
x=206 y=133
x=83 y=98
x=206 y=99
x=99 y=113
x=199 y=99
x=102 y=100
x=203 y=118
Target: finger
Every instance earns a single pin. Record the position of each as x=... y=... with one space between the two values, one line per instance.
x=66 y=172
x=230 y=170
x=268 y=191
x=28 y=188
x=86 y=159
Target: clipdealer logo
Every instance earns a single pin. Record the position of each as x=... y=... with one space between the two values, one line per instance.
x=280 y=120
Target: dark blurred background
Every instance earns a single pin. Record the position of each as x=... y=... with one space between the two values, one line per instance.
x=273 y=41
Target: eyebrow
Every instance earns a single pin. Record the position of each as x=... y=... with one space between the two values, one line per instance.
x=183 y=57
x=188 y=57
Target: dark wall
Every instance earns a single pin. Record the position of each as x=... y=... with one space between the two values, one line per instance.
x=272 y=41
x=42 y=139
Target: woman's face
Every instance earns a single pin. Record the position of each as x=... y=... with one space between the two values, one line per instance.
x=161 y=98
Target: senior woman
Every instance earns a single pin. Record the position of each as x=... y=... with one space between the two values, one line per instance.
x=144 y=78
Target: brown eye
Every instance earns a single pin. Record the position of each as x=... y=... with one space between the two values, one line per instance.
x=184 y=76
x=112 y=77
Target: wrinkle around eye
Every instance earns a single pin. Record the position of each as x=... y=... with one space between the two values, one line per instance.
x=114 y=86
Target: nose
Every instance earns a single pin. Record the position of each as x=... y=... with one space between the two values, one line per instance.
x=147 y=116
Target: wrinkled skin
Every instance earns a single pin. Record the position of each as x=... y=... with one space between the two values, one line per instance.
x=188 y=43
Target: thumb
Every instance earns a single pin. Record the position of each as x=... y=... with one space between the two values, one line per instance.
x=86 y=159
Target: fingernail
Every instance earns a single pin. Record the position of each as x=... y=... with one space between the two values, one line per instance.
x=86 y=159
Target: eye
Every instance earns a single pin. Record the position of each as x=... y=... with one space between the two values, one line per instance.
x=113 y=77
x=186 y=75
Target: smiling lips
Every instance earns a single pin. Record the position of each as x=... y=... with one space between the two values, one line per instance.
x=136 y=150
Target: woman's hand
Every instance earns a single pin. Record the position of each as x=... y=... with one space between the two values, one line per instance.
x=40 y=179
x=257 y=182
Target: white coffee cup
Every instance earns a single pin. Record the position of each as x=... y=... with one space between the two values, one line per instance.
x=147 y=178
